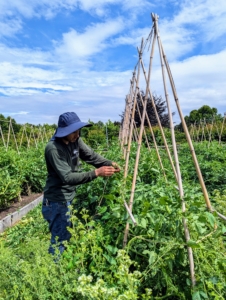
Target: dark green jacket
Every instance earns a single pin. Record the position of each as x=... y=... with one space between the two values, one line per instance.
x=62 y=163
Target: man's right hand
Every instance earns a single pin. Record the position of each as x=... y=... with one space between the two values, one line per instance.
x=105 y=171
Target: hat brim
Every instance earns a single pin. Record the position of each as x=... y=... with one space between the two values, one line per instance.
x=64 y=131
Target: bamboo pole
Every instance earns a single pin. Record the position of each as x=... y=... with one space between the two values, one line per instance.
x=45 y=135
x=14 y=137
x=179 y=179
x=222 y=127
x=145 y=135
x=132 y=114
x=129 y=107
x=195 y=132
x=160 y=125
x=29 y=139
x=32 y=130
x=198 y=139
x=127 y=117
x=28 y=142
x=218 y=130
x=22 y=135
x=154 y=140
x=120 y=133
x=210 y=135
x=204 y=190
x=192 y=132
x=7 y=145
x=131 y=127
x=203 y=132
x=39 y=136
x=139 y=143
x=2 y=136
x=124 y=127
x=135 y=131
x=135 y=137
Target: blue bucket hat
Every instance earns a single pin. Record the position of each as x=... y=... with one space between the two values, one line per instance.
x=69 y=122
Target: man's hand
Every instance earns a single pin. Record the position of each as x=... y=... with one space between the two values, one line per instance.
x=106 y=171
x=116 y=166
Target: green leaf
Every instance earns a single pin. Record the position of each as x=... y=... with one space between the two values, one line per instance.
x=106 y=216
x=200 y=228
x=102 y=209
x=152 y=257
x=211 y=219
x=204 y=296
x=193 y=244
x=93 y=199
x=223 y=230
x=109 y=197
x=155 y=170
x=196 y=296
x=110 y=259
x=143 y=223
x=112 y=249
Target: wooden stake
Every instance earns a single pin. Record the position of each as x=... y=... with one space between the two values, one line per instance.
x=2 y=136
x=179 y=179
x=132 y=115
x=145 y=135
x=222 y=129
x=154 y=140
x=7 y=145
x=201 y=181
x=139 y=143
x=160 y=126
x=14 y=137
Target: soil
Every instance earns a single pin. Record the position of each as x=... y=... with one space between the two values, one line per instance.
x=18 y=204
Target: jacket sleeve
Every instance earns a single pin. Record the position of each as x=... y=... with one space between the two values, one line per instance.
x=89 y=156
x=58 y=161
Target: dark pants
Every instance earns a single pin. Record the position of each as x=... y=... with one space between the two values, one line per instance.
x=58 y=216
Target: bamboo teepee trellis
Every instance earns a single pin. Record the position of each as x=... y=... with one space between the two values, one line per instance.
x=129 y=123
x=207 y=131
x=26 y=137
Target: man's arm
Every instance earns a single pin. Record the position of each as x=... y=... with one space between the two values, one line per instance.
x=91 y=157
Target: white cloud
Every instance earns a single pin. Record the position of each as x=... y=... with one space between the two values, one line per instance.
x=35 y=8
x=207 y=16
x=10 y=28
x=198 y=80
x=92 y=41
x=176 y=40
x=49 y=8
x=18 y=113
x=38 y=81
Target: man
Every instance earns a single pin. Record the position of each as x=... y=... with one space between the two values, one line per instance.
x=62 y=154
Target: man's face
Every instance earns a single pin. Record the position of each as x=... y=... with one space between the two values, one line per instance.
x=72 y=137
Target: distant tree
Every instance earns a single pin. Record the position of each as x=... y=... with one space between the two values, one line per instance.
x=100 y=124
x=117 y=123
x=161 y=108
x=204 y=112
x=4 y=122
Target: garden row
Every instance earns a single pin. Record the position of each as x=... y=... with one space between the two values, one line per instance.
x=21 y=174
x=154 y=264
x=25 y=172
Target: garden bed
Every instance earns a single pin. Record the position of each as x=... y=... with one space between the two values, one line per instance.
x=18 y=204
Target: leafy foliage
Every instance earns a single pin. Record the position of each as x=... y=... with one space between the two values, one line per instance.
x=203 y=113
x=154 y=264
x=21 y=173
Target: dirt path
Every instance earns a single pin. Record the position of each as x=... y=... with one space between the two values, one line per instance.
x=19 y=204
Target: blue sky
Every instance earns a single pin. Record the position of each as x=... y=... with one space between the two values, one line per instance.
x=58 y=56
